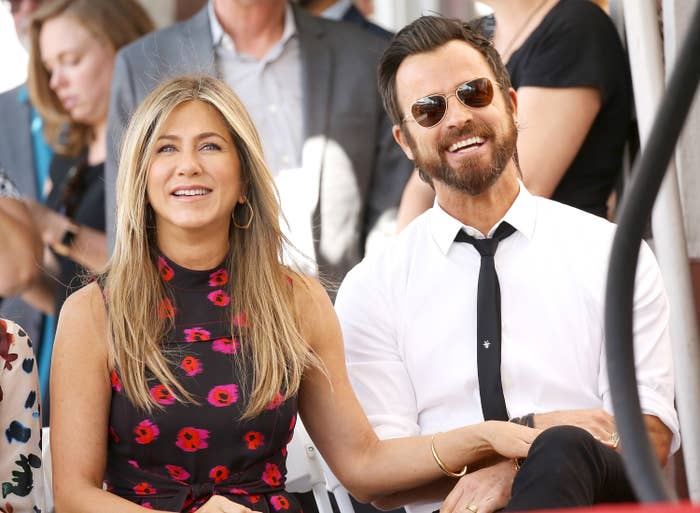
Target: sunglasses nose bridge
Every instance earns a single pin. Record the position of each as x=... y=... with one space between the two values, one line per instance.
x=458 y=112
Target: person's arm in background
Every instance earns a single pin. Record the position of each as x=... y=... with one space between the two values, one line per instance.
x=122 y=103
x=553 y=123
x=21 y=468
x=21 y=247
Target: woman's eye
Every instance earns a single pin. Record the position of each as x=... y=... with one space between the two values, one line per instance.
x=211 y=146
x=166 y=148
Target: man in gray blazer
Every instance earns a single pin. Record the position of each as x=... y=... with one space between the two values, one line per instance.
x=324 y=131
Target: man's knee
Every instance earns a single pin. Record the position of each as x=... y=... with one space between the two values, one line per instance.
x=560 y=440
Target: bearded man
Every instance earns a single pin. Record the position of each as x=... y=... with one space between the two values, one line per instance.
x=489 y=306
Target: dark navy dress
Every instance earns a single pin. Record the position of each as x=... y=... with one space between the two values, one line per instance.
x=176 y=458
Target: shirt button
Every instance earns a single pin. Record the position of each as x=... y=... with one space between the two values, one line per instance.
x=285 y=159
x=272 y=108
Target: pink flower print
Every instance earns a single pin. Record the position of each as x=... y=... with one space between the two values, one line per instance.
x=223 y=395
x=116 y=382
x=166 y=272
x=166 y=310
x=283 y=451
x=240 y=320
x=275 y=402
x=133 y=463
x=219 y=298
x=191 y=439
x=218 y=474
x=146 y=431
x=177 y=473
x=196 y=334
x=237 y=491
x=253 y=439
x=162 y=395
x=191 y=365
x=147 y=505
x=218 y=278
x=279 y=502
x=272 y=475
x=225 y=345
x=144 y=488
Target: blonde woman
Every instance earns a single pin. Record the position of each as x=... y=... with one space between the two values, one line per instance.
x=177 y=375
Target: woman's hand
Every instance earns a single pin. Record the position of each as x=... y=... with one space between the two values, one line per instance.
x=509 y=439
x=219 y=504
x=51 y=225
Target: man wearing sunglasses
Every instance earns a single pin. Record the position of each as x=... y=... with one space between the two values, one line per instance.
x=490 y=305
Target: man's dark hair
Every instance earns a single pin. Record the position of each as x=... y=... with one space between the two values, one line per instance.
x=424 y=35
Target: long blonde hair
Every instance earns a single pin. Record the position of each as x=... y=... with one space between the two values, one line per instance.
x=273 y=344
x=112 y=22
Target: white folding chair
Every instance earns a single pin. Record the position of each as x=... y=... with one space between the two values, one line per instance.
x=304 y=470
x=46 y=467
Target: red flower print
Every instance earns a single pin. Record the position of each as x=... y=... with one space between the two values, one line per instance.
x=191 y=365
x=293 y=422
x=144 y=488
x=253 y=439
x=146 y=431
x=162 y=395
x=272 y=475
x=219 y=298
x=218 y=278
x=279 y=502
x=147 y=505
x=177 y=473
x=113 y=435
x=225 y=345
x=276 y=401
x=116 y=382
x=283 y=450
x=191 y=439
x=166 y=310
x=223 y=395
x=254 y=498
x=240 y=320
x=196 y=334
x=166 y=272
x=218 y=474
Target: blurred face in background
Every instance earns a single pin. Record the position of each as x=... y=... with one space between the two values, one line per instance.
x=80 y=66
x=21 y=11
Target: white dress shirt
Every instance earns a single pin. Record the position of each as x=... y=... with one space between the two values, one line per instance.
x=408 y=317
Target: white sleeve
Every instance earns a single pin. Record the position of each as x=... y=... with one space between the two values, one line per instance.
x=652 y=347
x=369 y=320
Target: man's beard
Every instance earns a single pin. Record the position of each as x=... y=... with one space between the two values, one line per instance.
x=471 y=176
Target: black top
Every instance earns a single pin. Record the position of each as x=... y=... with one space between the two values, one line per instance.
x=176 y=458
x=78 y=192
x=577 y=45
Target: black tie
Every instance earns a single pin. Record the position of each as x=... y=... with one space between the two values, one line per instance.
x=488 y=324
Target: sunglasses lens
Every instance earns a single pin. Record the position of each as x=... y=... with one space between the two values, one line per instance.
x=477 y=93
x=429 y=111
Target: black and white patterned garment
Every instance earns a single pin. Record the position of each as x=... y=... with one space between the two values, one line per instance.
x=7 y=188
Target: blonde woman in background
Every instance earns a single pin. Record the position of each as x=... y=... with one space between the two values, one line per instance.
x=177 y=375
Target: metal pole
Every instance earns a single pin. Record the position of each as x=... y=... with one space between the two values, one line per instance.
x=645 y=52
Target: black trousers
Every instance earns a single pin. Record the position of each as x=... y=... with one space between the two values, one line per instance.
x=566 y=468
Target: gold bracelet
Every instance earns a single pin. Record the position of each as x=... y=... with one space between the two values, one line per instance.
x=440 y=464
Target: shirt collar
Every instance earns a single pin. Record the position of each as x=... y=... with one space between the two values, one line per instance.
x=521 y=215
x=221 y=38
x=337 y=10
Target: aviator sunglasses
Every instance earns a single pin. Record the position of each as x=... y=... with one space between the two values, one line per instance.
x=429 y=110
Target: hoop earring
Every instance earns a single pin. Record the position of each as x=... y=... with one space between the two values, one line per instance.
x=250 y=217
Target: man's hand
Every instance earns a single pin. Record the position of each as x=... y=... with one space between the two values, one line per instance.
x=485 y=490
x=597 y=422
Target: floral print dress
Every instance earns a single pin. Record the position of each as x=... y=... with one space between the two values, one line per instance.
x=21 y=472
x=176 y=458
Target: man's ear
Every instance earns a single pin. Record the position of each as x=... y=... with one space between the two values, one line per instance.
x=401 y=140
x=513 y=104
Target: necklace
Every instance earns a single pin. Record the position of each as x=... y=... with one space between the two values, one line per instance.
x=522 y=27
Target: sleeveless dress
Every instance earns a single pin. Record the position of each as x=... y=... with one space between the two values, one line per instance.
x=176 y=458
